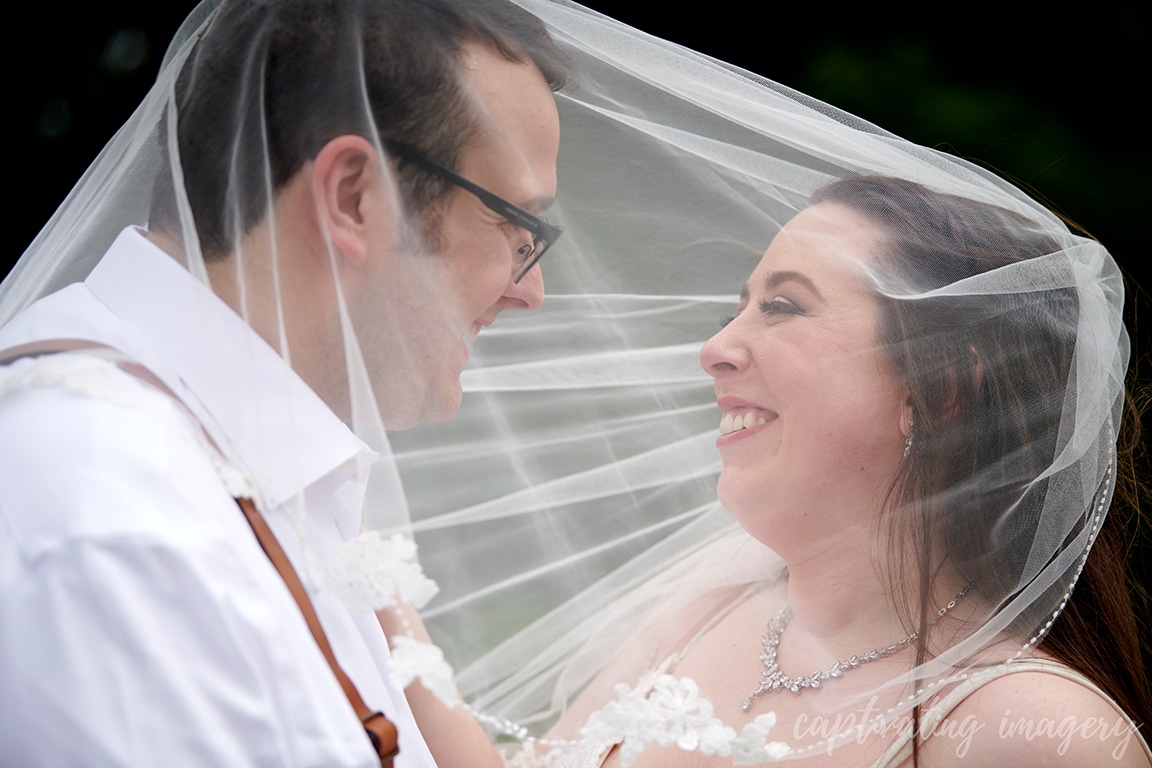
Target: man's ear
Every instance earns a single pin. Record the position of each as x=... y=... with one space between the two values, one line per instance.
x=350 y=194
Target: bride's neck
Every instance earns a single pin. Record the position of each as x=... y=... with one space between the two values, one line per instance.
x=845 y=602
x=840 y=598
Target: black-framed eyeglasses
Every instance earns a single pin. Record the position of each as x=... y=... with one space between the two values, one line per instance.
x=543 y=233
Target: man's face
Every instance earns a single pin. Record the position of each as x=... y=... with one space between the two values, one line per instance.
x=441 y=301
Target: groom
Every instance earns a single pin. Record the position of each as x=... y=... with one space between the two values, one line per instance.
x=406 y=167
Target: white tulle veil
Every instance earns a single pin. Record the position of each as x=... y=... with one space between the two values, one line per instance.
x=573 y=496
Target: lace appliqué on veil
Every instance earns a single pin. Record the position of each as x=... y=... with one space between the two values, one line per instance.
x=670 y=712
x=371 y=573
x=368 y=573
x=97 y=373
x=87 y=372
x=413 y=659
x=664 y=710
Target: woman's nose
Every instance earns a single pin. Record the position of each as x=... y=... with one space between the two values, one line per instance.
x=723 y=353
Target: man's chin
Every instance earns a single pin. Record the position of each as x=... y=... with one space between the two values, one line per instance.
x=442 y=405
x=404 y=411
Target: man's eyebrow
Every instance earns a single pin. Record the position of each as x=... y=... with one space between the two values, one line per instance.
x=775 y=279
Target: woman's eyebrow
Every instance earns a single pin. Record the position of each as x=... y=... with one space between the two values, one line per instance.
x=774 y=280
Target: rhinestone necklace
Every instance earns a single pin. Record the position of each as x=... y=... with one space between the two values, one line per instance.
x=772 y=679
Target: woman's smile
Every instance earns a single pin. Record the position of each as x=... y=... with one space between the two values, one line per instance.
x=810 y=401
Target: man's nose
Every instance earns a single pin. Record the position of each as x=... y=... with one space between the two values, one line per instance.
x=529 y=292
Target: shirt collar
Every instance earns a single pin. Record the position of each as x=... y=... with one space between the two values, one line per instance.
x=252 y=404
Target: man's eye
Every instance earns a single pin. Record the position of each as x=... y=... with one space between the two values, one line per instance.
x=779 y=306
x=510 y=229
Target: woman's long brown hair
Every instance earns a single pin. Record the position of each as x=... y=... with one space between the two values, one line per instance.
x=974 y=395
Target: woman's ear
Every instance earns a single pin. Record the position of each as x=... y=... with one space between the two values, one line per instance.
x=958 y=397
x=906 y=417
x=348 y=189
x=977 y=366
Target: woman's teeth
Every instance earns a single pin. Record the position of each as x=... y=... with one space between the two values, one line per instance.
x=731 y=423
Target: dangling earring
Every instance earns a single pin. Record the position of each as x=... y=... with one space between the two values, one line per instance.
x=908 y=440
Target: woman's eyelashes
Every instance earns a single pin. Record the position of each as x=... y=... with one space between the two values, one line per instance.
x=778 y=306
x=726 y=319
x=769 y=308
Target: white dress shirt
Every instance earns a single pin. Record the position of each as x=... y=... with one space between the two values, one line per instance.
x=140 y=622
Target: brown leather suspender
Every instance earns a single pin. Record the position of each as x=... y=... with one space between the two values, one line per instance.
x=381 y=732
x=379 y=729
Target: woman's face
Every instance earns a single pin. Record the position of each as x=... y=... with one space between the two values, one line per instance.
x=814 y=417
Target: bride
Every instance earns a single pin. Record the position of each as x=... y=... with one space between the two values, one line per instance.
x=920 y=399
x=892 y=416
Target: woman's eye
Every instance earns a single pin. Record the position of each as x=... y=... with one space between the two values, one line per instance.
x=779 y=306
x=725 y=319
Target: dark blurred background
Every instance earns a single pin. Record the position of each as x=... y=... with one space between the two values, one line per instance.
x=1047 y=99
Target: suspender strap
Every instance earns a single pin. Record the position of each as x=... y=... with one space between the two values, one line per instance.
x=54 y=347
x=381 y=732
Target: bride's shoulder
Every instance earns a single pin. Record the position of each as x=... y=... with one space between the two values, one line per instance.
x=1035 y=714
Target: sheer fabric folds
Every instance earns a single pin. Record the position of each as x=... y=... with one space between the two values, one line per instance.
x=571 y=503
x=574 y=497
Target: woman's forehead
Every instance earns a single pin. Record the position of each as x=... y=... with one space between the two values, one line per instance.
x=823 y=243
